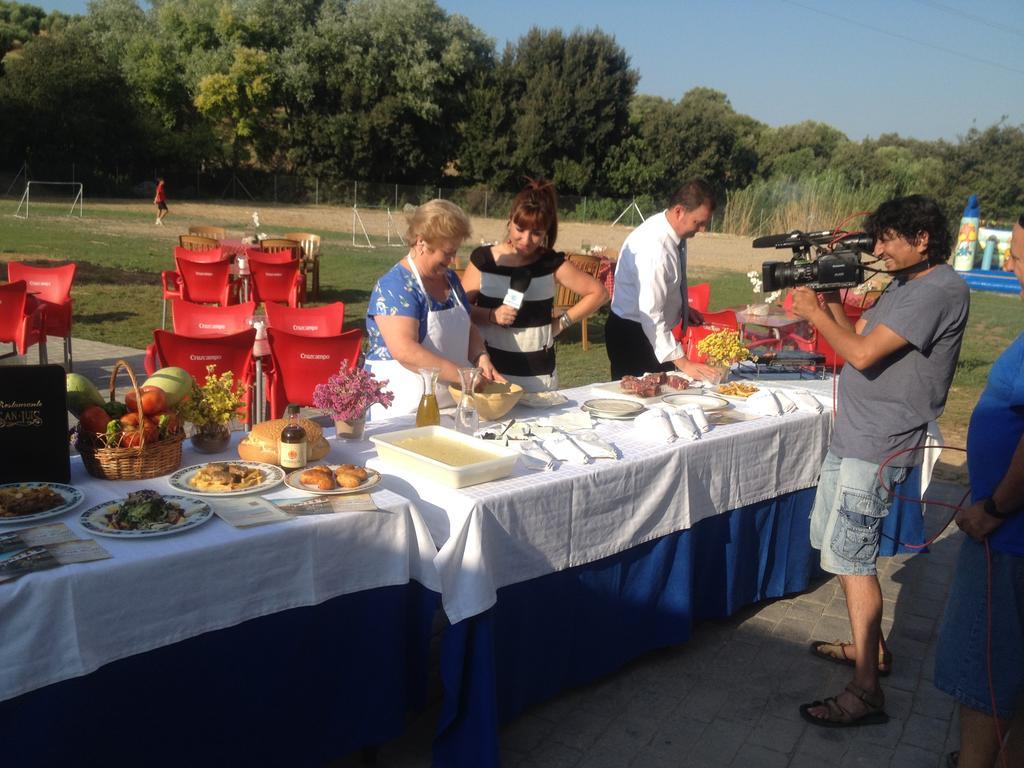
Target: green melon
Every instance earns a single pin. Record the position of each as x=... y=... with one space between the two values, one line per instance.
x=82 y=393
x=175 y=382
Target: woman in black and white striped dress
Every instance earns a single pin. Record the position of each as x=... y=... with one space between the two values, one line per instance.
x=511 y=286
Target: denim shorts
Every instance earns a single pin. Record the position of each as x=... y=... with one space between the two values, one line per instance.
x=846 y=522
x=961 y=657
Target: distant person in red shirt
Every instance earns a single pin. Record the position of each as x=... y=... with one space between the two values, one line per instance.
x=160 y=201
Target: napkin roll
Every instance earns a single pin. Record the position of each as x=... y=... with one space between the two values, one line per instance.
x=805 y=401
x=654 y=424
x=696 y=413
x=764 y=403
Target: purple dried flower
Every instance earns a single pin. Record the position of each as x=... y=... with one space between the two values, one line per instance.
x=347 y=394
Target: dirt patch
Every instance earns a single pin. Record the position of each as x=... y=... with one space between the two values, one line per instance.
x=727 y=252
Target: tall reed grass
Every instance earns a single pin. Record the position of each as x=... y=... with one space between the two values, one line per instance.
x=809 y=203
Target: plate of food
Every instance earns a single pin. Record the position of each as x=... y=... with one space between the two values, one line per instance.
x=27 y=502
x=145 y=514
x=227 y=478
x=332 y=479
x=706 y=401
x=613 y=408
x=646 y=389
x=736 y=390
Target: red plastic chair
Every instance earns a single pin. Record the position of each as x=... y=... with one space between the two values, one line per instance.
x=51 y=287
x=22 y=321
x=277 y=282
x=173 y=281
x=713 y=321
x=306 y=321
x=816 y=342
x=228 y=353
x=302 y=362
x=697 y=296
x=204 y=321
x=207 y=256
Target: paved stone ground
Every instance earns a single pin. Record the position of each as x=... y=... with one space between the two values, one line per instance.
x=728 y=697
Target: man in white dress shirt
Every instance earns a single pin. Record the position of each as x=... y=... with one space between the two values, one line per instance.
x=650 y=288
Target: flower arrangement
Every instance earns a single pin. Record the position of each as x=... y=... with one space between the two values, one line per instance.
x=758 y=287
x=347 y=394
x=214 y=403
x=723 y=348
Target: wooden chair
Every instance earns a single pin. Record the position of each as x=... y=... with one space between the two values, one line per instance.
x=279 y=244
x=310 y=256
x=202 y=230
x=564 y=298
x=197 y=242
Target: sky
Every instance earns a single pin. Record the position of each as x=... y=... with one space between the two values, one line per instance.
x=921 y=68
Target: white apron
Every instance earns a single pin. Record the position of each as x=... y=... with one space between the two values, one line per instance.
x=447 y=336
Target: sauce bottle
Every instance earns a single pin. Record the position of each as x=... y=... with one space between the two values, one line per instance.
x=291 y=448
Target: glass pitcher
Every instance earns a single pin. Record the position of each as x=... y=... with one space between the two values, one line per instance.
x=467 y=418
x=428 y=414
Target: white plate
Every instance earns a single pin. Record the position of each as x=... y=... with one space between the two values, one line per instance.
x=72 y=498
x=542 y=399
x=613 y=408
x=196 y=512
x=293 y=481
x=272 y=475
x=707 y=402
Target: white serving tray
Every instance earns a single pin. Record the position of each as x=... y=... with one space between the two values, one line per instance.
x=455 y=477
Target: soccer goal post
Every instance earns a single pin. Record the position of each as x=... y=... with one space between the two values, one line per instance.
x=36 y=191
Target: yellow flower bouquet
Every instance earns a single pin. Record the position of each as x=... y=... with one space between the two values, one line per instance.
x=723 y=348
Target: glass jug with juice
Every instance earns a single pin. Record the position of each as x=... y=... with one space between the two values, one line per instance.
x=428 y=414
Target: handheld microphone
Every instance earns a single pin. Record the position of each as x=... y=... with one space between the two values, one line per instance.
x=518 y=284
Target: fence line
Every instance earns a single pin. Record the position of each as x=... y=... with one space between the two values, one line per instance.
x=259 y=187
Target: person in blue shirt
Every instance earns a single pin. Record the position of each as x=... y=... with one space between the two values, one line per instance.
x=989 y=577
x=418 y=315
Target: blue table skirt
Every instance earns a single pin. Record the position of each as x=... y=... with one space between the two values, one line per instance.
x=295 y=688
x=572 y=627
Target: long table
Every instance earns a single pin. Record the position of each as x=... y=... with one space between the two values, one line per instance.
x=291 y=643
x=550 y=580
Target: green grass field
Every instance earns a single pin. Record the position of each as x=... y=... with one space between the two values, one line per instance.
x=118 y=297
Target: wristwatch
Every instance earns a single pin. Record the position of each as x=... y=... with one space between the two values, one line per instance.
x=989 y=505
x=564 y=321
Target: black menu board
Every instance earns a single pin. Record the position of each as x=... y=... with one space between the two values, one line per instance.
x=33 y=424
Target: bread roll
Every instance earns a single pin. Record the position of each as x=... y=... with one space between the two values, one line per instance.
x=261 y=443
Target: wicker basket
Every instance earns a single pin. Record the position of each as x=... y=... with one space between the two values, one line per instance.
x=139 y=462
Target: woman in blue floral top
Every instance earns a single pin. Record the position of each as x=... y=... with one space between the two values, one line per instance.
x=418 y=315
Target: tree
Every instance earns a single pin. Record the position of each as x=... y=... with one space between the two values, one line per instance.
x=700 y=136
x=987 y=163
x=240 y=103
x=62 y=100
x=555 y=105
x=377 y=89
x=794 y=150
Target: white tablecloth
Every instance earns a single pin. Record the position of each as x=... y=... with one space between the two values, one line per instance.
x=69 y=621
x=535 y=523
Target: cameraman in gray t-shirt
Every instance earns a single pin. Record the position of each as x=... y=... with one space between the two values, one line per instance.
x=900 y=358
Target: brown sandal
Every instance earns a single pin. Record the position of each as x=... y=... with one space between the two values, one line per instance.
x=836 y=653
x=838 y=717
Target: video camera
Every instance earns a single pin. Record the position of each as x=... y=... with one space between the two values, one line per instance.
x=835 y=264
